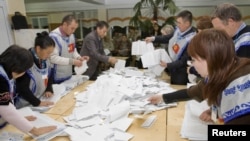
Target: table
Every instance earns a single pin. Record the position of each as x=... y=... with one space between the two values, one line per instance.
x=166 y=127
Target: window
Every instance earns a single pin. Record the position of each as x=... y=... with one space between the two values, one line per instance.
x=40 y=22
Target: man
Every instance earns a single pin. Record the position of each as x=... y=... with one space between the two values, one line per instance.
x=228 y=17
x=93 y=47
x=177 y=47
x=65 y=54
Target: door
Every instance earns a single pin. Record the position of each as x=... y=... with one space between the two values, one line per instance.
x=5 y=31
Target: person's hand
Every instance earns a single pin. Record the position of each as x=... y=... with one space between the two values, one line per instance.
x=148 y=39
x=42 y=130
x=84 y=58
x=48 y=94
x=163 y=64
x=30 y=118
x=188 y=68
x=206 y=116
x=112 y=60
x=155 y=99
x=77 y=63
x=46 y=103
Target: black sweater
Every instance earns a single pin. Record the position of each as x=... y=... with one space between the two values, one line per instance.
x=23 y=89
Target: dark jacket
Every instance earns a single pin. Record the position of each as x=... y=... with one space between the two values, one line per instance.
x=93 y=47
x=178 y=68
x=244 y=49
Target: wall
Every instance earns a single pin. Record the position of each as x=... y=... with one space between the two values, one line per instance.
x=118 y=12
x=16 y=5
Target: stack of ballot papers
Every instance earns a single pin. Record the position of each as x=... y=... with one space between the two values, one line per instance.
x=151 y=60
x=80 y=70
x=193 y=128
x=10 y=136
x=101 y=111
x=74 y=81
x=141 y=47
x=61 y=90
x=41 y=121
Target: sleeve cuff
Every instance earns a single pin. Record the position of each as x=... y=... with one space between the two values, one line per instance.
x=153 y=38
x=71 y=61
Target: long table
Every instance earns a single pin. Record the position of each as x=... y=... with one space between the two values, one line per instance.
x=165 y=128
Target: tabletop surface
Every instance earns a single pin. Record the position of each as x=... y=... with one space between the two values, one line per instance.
x=166 y=127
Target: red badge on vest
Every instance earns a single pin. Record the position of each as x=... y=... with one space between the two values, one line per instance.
x=46 y=82
x=176 y=48
x=71 y=48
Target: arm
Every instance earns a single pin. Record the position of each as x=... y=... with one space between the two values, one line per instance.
x=182 y=62
x=8 y=111
x=180 y=95
x=164 y=39
x=50 y=83
x=56 y=59
x=76 y=55
x=11 y=115
x=194 y=92
x=22 y=87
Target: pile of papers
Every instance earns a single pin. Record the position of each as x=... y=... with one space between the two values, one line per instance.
x=192 y=127
x=10 y=136
x=61 y=90
x=101 y=112
x=41 y=121
x=150 y=57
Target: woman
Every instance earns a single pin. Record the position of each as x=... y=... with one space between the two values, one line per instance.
x=226 y=83
x=37 y=81
x=204 y=22
x=14 y=61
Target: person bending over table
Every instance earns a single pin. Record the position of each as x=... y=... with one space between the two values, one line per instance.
x=14 y=61
x=225 y=81
x=37 y=81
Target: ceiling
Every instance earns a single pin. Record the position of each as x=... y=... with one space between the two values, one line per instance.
x=74 y=5
x=49 y=1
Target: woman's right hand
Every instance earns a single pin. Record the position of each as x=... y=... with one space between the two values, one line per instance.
x=206 y=116
x=42 y=130
x=155 y=99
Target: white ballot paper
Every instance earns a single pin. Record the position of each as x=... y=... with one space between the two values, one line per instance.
x=43 y=120
x=153 y=58
x=80 y=70
x=141 y=47
x=120 y=64
x=118 y=111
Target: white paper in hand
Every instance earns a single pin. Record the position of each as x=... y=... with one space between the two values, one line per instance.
x=82 y=69
x=120 y=64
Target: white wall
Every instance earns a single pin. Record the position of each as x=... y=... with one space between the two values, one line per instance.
x=6 y=38
x=16 y=5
